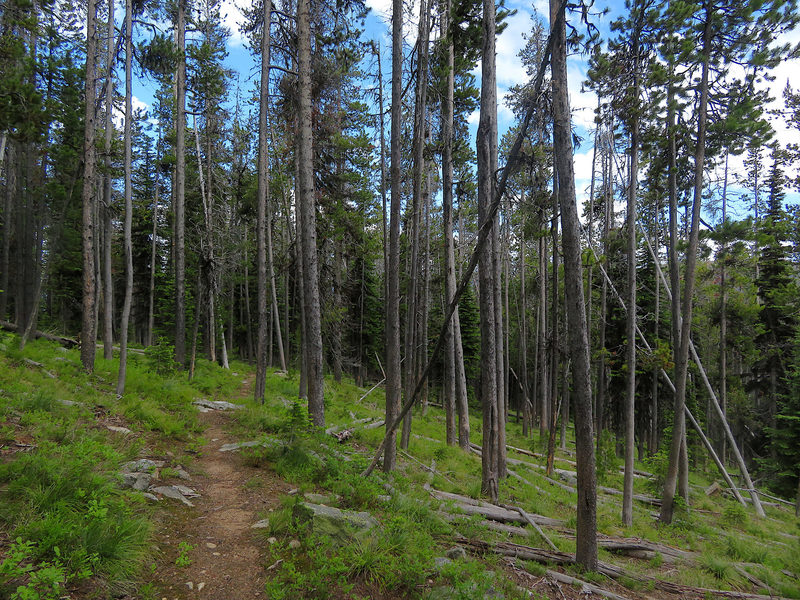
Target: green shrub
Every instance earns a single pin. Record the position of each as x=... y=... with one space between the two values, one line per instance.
x=160 y=357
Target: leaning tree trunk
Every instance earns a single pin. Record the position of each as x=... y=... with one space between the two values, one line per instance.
x=88 y=328
x=586 y=529
x=126 y=306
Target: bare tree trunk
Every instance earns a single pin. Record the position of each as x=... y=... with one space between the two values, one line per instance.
x=586 y=530
x=8 y=206
x=88 y=329
x=393 y=271
x=336 y=335
x=426 y=286
x=542 y=366
x=153 y=249
x=682 y=355
x=108 y=299
x=630 y=392
x=126 y=306
x=459 y=387
x=723 y=318
x=654 y=431
x=316 y=406
x=452 y=401
x=601 y=363
x=486 y=152
x=554 y=338
x=526 y=405
x=413 y=292
x=180 y=188
x=262 y=221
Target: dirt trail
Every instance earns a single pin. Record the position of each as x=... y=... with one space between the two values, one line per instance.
x=227 y=557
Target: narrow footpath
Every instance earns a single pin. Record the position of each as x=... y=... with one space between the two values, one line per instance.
x=210 y=550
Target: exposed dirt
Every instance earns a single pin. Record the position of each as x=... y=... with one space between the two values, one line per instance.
x=226 y=559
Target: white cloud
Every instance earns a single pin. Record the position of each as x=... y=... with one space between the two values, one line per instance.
x=382 y=8
x=510 y=70
x=233 y=19
x=582 y=103
x=118 y=114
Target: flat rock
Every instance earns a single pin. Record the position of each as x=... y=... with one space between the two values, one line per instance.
x=142 y=465
x=136 y=481
x=186 y=491
x=182 y=473
x=150 y=496
x=216 y=404
x=441 y=561
x=262 y=524
x=170 y=491
x=116 y=429
x=321 y=498
x=70 y=402
x=456 y=553
x=266 y=443
x=338 y=524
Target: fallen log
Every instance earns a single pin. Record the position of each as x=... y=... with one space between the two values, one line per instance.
x=533 y=524
x=563 y=558
x=586 y=587
x=38 y=365
x=471 y=506
x=36 y=334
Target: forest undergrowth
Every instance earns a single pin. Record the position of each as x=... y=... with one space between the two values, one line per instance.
x=67 y=529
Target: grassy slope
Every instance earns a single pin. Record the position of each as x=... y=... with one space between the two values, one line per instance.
x=76 y=529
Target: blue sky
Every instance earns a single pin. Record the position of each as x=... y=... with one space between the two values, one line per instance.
x=509 y=72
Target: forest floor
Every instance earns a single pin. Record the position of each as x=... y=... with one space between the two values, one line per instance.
x=71 y=527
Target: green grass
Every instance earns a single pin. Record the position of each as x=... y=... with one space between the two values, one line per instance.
x=73 y=523
x=60 y=501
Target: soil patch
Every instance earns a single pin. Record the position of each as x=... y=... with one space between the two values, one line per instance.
x=226 y=555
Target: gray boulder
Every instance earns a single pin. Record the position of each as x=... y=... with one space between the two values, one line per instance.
x=338 y=524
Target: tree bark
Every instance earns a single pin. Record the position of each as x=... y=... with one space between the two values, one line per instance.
x=486 y=142
x=393 y=272
x=586 y=530
x=630 y=322
x=413 y=290
x=126 y=306
x=108 y=231
x=180 y=187
x=313 y=341
x=88 y=328
x=682 y=355
x=263 y=207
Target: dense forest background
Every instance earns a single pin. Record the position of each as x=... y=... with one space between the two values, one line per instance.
x=323 y=218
